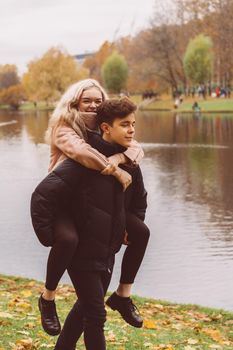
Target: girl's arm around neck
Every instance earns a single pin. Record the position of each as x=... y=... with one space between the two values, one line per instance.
x=74 y=147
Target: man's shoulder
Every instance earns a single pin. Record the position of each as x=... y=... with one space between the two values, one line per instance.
x=133 y=170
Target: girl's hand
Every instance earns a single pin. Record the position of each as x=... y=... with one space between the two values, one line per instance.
x=123 y=177
x=118 y=158
x=109 y=170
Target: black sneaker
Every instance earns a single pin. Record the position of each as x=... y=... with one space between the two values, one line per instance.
x=49 y=319
x=126 y=308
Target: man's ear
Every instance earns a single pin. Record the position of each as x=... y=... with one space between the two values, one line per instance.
x=105 y=127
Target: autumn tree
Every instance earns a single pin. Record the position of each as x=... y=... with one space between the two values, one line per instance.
x=214 y=18
x=198 y=59
x=12 y=96
x=8 y=76
x=49 y=76
x=140 y=64
x=166 y=45
x=115 y=72
x=95 y=62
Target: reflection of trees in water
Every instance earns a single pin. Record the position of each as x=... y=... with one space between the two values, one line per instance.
x=164 y=127
x=11 y=130
x=35 y=123
x=202 y=175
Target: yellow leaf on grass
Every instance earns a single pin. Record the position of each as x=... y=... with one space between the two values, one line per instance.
x=26 y=293
x=214 y=334
x=5 y=315
x=159 y=306
x=147 y=345
x=177 y=326
x=30 y=325
x=149 y=324
x=111 y=336
x=23 y=344
x=192 y=341
x=188 y=347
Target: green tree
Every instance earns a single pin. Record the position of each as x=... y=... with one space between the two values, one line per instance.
x=198 y=59
x=115 y=72
x=49 y=76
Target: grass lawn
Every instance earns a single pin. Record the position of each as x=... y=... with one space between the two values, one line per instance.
x=167 y=326
x=210 y=105
x=40 y=106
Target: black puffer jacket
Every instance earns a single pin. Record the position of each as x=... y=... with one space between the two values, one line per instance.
x=96 y=203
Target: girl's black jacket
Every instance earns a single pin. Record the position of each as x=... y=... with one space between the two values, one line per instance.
x=95 y=202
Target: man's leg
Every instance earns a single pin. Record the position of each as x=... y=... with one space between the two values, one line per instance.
x=88 y=314
x=138 y=236
x=66 y=241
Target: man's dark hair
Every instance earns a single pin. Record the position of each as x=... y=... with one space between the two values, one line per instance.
x=114 y=108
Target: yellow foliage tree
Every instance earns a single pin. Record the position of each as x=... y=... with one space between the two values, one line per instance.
x=12 y=96
x=49 y=76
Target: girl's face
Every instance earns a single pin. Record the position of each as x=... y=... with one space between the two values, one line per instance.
x=90 y=100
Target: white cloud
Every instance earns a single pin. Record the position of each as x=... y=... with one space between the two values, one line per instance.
x=30 y=27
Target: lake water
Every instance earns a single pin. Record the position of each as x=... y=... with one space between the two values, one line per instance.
x=188 y=172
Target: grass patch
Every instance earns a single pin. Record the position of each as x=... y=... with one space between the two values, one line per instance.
x=39 y=106
x=166 y=326
x=210 y=105
x=29 y=106
x=214 y=105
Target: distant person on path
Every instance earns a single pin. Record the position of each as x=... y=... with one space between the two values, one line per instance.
x=74 y=115
x=196 y=107
x=100 y=210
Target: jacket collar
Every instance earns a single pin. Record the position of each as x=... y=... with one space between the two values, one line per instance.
x=104 y=147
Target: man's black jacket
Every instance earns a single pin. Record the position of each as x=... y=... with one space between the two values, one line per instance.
x=96 y=203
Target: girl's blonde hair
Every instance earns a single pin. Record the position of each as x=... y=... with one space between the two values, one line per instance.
x=66 y=109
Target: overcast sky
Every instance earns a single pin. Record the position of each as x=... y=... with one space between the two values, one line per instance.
x=29 y=27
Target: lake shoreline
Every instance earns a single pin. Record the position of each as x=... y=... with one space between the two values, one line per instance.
x=166 y=325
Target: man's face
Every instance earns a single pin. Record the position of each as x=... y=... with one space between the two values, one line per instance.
x=121 y=132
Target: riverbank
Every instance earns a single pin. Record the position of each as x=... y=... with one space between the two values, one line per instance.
x=165 y=103
x=167 y=326
x=213 y=105
x=29 y=106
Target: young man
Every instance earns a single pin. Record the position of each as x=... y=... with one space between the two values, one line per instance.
x=98 y=206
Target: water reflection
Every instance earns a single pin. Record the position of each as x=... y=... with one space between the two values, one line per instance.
x=188 y=172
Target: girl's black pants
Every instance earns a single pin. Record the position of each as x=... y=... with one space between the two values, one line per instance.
x=66 y=242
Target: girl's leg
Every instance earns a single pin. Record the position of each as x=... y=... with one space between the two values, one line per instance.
x=66 y=241
x=61 y=253
x=138 y=236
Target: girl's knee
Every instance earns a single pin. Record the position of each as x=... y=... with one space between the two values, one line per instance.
x=69 y=241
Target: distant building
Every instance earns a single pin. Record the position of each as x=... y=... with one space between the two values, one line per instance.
x=82 y=56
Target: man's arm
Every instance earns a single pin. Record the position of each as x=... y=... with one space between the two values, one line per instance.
x=132 y=156
x=138 y=203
